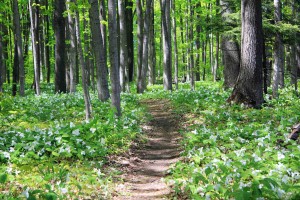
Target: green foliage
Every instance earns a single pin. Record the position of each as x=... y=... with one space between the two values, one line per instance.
x=237 y=153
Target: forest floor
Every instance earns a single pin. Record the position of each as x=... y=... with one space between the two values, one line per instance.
x=148 y=160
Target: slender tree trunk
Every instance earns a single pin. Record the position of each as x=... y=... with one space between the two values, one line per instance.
x=113 y=55
x=124 y=73
x=15 y=72
x=175 y=43
x=2 y=61
x=47 y=45
x=72 y=49
x=60 y=47
x=34 y=48
x=191 y=48
x=182 y=43
x=198 y=43
x=129 y=34
x=99 y=51
x=139 y=13
x=86 y=94
x=152 y=55
x=278 y=67
x=249 y=86
x=103 y=26
x=167 y=47
x=19 y=47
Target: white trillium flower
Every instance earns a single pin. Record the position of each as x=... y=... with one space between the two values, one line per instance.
x=76 y=132
x=63 y=190
x=280 y=156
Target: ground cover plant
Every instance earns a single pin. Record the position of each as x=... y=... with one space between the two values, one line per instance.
x=237 y=153
x=49 y=151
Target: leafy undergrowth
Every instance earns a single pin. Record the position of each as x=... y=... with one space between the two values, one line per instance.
x=48 y=150
x=236 y=153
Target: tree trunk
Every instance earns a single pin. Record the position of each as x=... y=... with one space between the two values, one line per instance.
x=191 y=48
x=175 y=44
x=34 y=48
x=139 y=12
x=231 y=51
x=72 y=49
x=19 y=46
x=130 y=46
x=59 y=33
x=47 y=47
x=167 y=47
x=103 y=26
x=86 y=94
x=278 y=67
x=152 y=52
x=99 y=51
x=198 y=43
x=15 y=72
x=249 y=86
x=2 y=68
x=113 y=55
x=123 y=47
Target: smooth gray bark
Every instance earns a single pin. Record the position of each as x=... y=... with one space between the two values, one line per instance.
x=174 y=26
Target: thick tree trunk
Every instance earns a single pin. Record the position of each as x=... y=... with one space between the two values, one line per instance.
x=278 y=67
x=130 y=46
x=59 y=32
x=167 y=47
x=123 y=48
x=19 y=47
x=113 y=55
x=103 y=26
x=86 y=94
x=72 y=49
x=34 y=48
x=99 y=51
x=231 y=51
x=249 y=87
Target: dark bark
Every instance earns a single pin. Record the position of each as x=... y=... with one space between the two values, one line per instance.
x=19 y=47
x=167 y=47
x=130 y=46
x=198 y=44
x=99 y=51
x=175 y=44
x=249 y=86
x=60 y=47
x=139 y=12
x=15 y=72
x=191 y=47
x=47 y=45
x=113 y=55
x=152 y=52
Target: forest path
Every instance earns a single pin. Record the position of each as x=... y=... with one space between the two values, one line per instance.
x=149 y=162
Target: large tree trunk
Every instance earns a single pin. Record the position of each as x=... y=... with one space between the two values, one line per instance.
x=123 y=47
x=72 y=49
x=86 y=94
x=99 y=51
x=19 y=47
x=249 y=86
x=34 y=48
x=59 y=31
x=278 y=67
x=103 y=26
x=231 y=51
x=167 y=47
x=130 y=46
x=113 y=55
x=152 y=52
x=139 y=12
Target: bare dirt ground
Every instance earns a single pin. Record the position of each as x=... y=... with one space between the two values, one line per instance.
x=148 y=163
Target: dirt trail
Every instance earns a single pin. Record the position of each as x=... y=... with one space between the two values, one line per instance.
x=148 y=163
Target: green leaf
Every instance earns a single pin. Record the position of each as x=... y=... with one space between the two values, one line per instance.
x=55 y=154
x=3 y=178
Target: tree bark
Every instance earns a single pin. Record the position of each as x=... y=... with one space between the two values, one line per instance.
x=167 y=47
x=99 y=51
x=231 y=51
x=72 y=49
x=191 y=47
x=19 y=47
x=113 y=55
x=34 y=48
x=86 y=94
x=174 y=26
x=249 y=86
x=139 y=12
x=2 y=68
x=130 y=46
x=123 y=48
x=152 y=52
x=278 y=67
x=59 y=32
